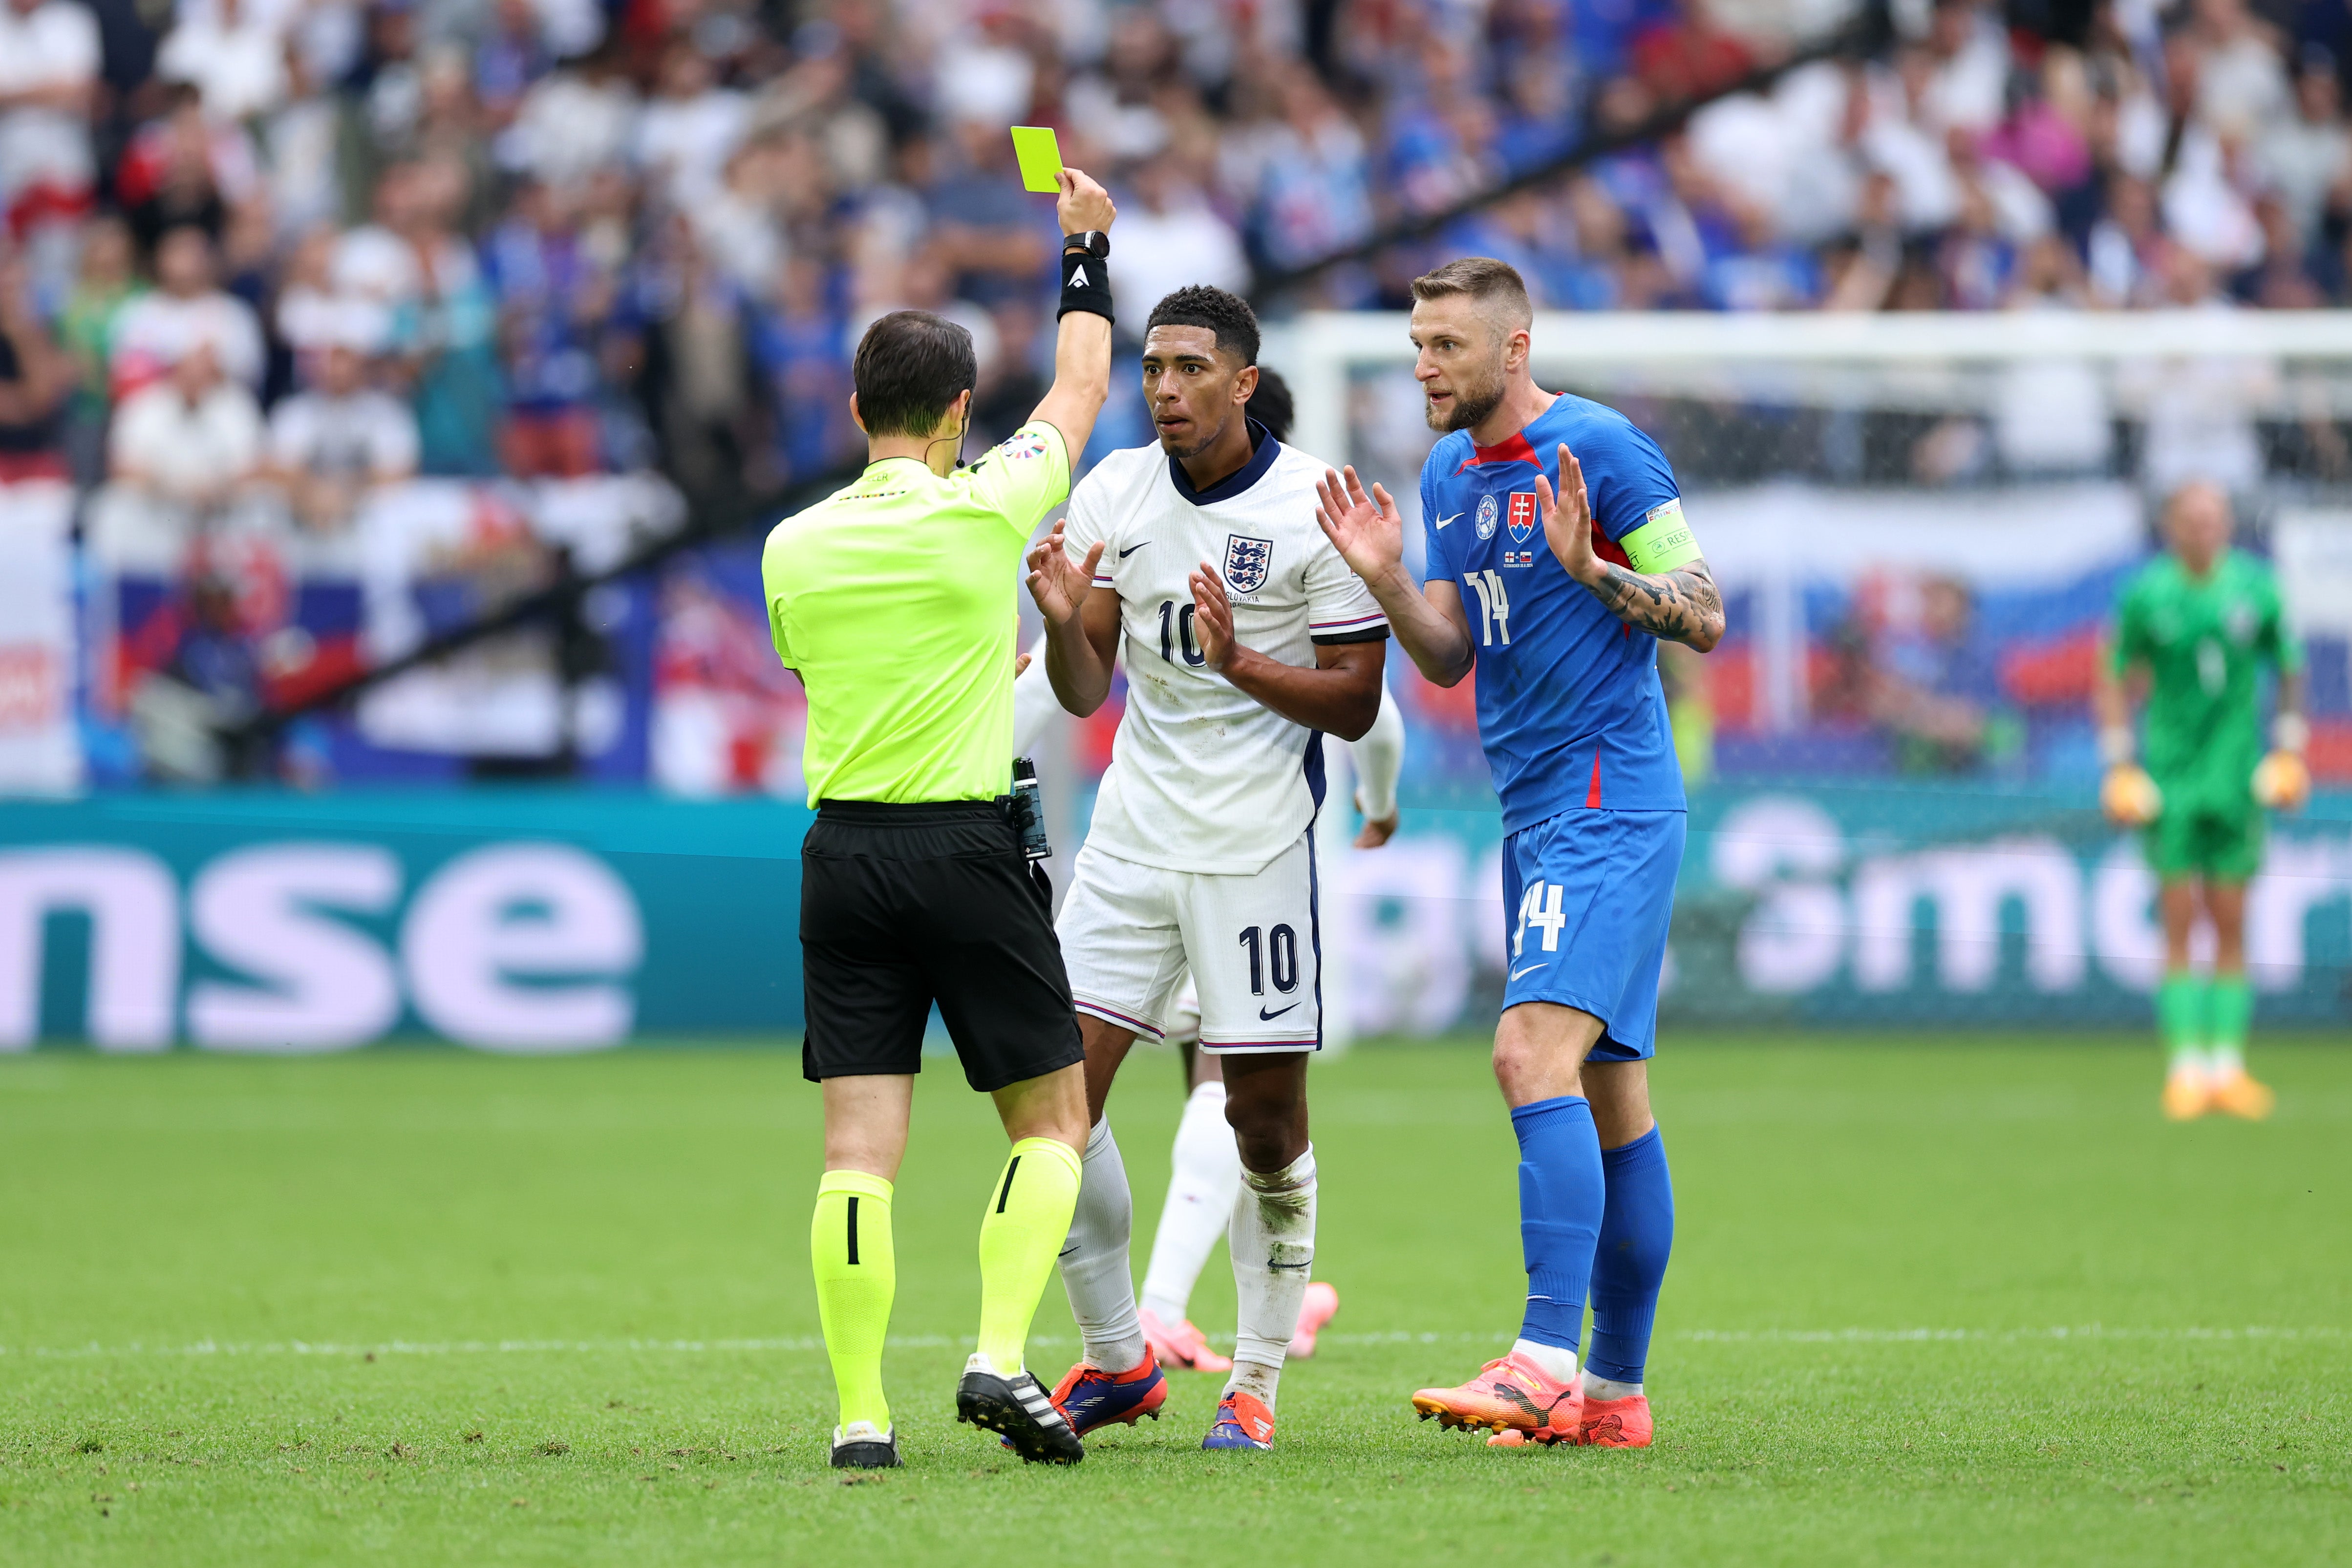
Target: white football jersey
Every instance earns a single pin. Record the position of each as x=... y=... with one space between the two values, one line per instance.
x=1202 y=777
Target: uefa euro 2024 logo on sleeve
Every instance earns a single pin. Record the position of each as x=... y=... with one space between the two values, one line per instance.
x=1247 y=562
x=1487 y=514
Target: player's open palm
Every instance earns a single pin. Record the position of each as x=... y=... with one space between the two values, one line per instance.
x=1213 y=617
x=1568 y=518
x=1059 y=583
x=1365 y=529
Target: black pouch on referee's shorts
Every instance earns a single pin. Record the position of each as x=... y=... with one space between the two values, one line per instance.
x=1026 y=811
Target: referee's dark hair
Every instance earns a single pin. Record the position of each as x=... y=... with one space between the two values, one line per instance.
x=1202 y=305
x=1270 y=404
x=909 y=366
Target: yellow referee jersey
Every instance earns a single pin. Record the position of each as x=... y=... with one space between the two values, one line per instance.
x=895 y=601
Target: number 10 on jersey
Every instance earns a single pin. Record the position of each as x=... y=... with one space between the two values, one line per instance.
x=1175 y=626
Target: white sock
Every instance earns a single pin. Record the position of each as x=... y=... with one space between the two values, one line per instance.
x=1206 y=1177
x=1558 y=1364
x=1094 y=1261
x=1273 y=1247
x=2225 y=1061
x=1601 y=1388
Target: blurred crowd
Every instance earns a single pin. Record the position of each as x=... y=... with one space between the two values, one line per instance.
x=319 y=246
x=269 y=263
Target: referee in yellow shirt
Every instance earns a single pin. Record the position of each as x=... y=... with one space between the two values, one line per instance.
x=894 y=601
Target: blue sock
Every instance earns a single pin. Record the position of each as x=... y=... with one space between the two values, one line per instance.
x=1637 y=1232
x=1560 y=1194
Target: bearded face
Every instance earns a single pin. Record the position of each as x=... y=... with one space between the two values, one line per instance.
x=1460 y=364
x=1476 y=394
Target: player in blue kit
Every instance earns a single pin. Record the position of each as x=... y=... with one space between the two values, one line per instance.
x=1557 y=556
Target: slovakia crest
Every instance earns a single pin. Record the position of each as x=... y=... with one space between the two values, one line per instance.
x=1487 y=513
x=1247 y=561
x=1523 y=515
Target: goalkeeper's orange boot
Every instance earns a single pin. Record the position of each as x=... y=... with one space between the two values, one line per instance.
x=1508 y=1395
x=2187 y=1094
x=2240 y=1096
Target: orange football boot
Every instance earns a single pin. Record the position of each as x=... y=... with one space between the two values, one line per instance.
x=1617 y=1423
x=1508 y=1395
x=1182 y=1346
x=1322 y=1304
x=1243 y=1422
x=2187 y=1094
x=2240 y=1096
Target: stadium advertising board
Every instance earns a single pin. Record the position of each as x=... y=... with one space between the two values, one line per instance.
x=525 y=921
x=1908 y=904
x=551 y=921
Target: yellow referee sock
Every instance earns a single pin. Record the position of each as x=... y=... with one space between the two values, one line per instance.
x=1027 y=1220
x=857 y=1276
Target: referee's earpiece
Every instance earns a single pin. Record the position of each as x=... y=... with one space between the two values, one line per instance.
x=963 y=429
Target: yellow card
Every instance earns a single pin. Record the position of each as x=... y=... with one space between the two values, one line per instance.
x=1040 y=158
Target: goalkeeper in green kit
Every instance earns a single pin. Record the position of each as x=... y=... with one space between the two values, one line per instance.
x=2193 y=628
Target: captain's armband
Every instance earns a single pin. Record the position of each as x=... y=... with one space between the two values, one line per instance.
x=1663 y=541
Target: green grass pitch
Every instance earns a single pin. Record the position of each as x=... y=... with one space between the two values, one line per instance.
x=1933 y=1301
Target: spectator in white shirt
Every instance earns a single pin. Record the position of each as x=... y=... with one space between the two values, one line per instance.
x=186 y=311
x=1177 y=239
x=48 y=69
x=333 y=444
x=235 y=60
x=192 y=438
x=686 y=133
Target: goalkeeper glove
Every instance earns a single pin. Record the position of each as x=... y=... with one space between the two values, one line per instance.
x=2129 y=797
x=2281 y=781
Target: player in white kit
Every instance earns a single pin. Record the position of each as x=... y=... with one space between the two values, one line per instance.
x=1204 y=1165
x=1247 y=639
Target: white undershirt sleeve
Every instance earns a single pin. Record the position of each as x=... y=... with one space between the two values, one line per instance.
x=1379 y=758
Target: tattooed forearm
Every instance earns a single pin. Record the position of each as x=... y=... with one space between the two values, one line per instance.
x=1681 y=605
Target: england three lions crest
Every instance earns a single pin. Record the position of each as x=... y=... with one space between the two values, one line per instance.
x=1247 y=561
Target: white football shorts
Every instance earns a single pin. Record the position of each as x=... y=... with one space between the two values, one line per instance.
x=1130 y=933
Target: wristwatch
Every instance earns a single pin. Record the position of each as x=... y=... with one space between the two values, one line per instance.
x=1093 y=241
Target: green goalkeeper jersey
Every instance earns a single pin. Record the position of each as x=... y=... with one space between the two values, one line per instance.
x=2204 y=643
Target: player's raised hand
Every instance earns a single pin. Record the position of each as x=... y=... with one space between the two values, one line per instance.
x=1568 y=518
x=1364 y=528
x=1059 y=583
x=1213 y=617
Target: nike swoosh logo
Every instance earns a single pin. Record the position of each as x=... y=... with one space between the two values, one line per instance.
x=1443 y=520
x=1131 y=550
x=1263 y=1014
x=1530 y=969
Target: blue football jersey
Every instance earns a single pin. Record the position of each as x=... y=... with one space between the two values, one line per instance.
x=1569 y=708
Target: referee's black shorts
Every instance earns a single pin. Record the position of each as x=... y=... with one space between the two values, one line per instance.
x=902 y=906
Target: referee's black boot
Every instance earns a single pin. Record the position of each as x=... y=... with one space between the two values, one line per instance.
x=1018 y=1408
x=861 y=1447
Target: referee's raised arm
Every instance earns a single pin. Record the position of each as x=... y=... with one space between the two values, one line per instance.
x=894 y=598
x=1082 y=341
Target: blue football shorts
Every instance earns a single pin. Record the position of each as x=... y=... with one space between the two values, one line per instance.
x=1587 y=899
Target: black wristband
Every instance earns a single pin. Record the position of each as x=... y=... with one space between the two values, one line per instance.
x=1086 y=286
